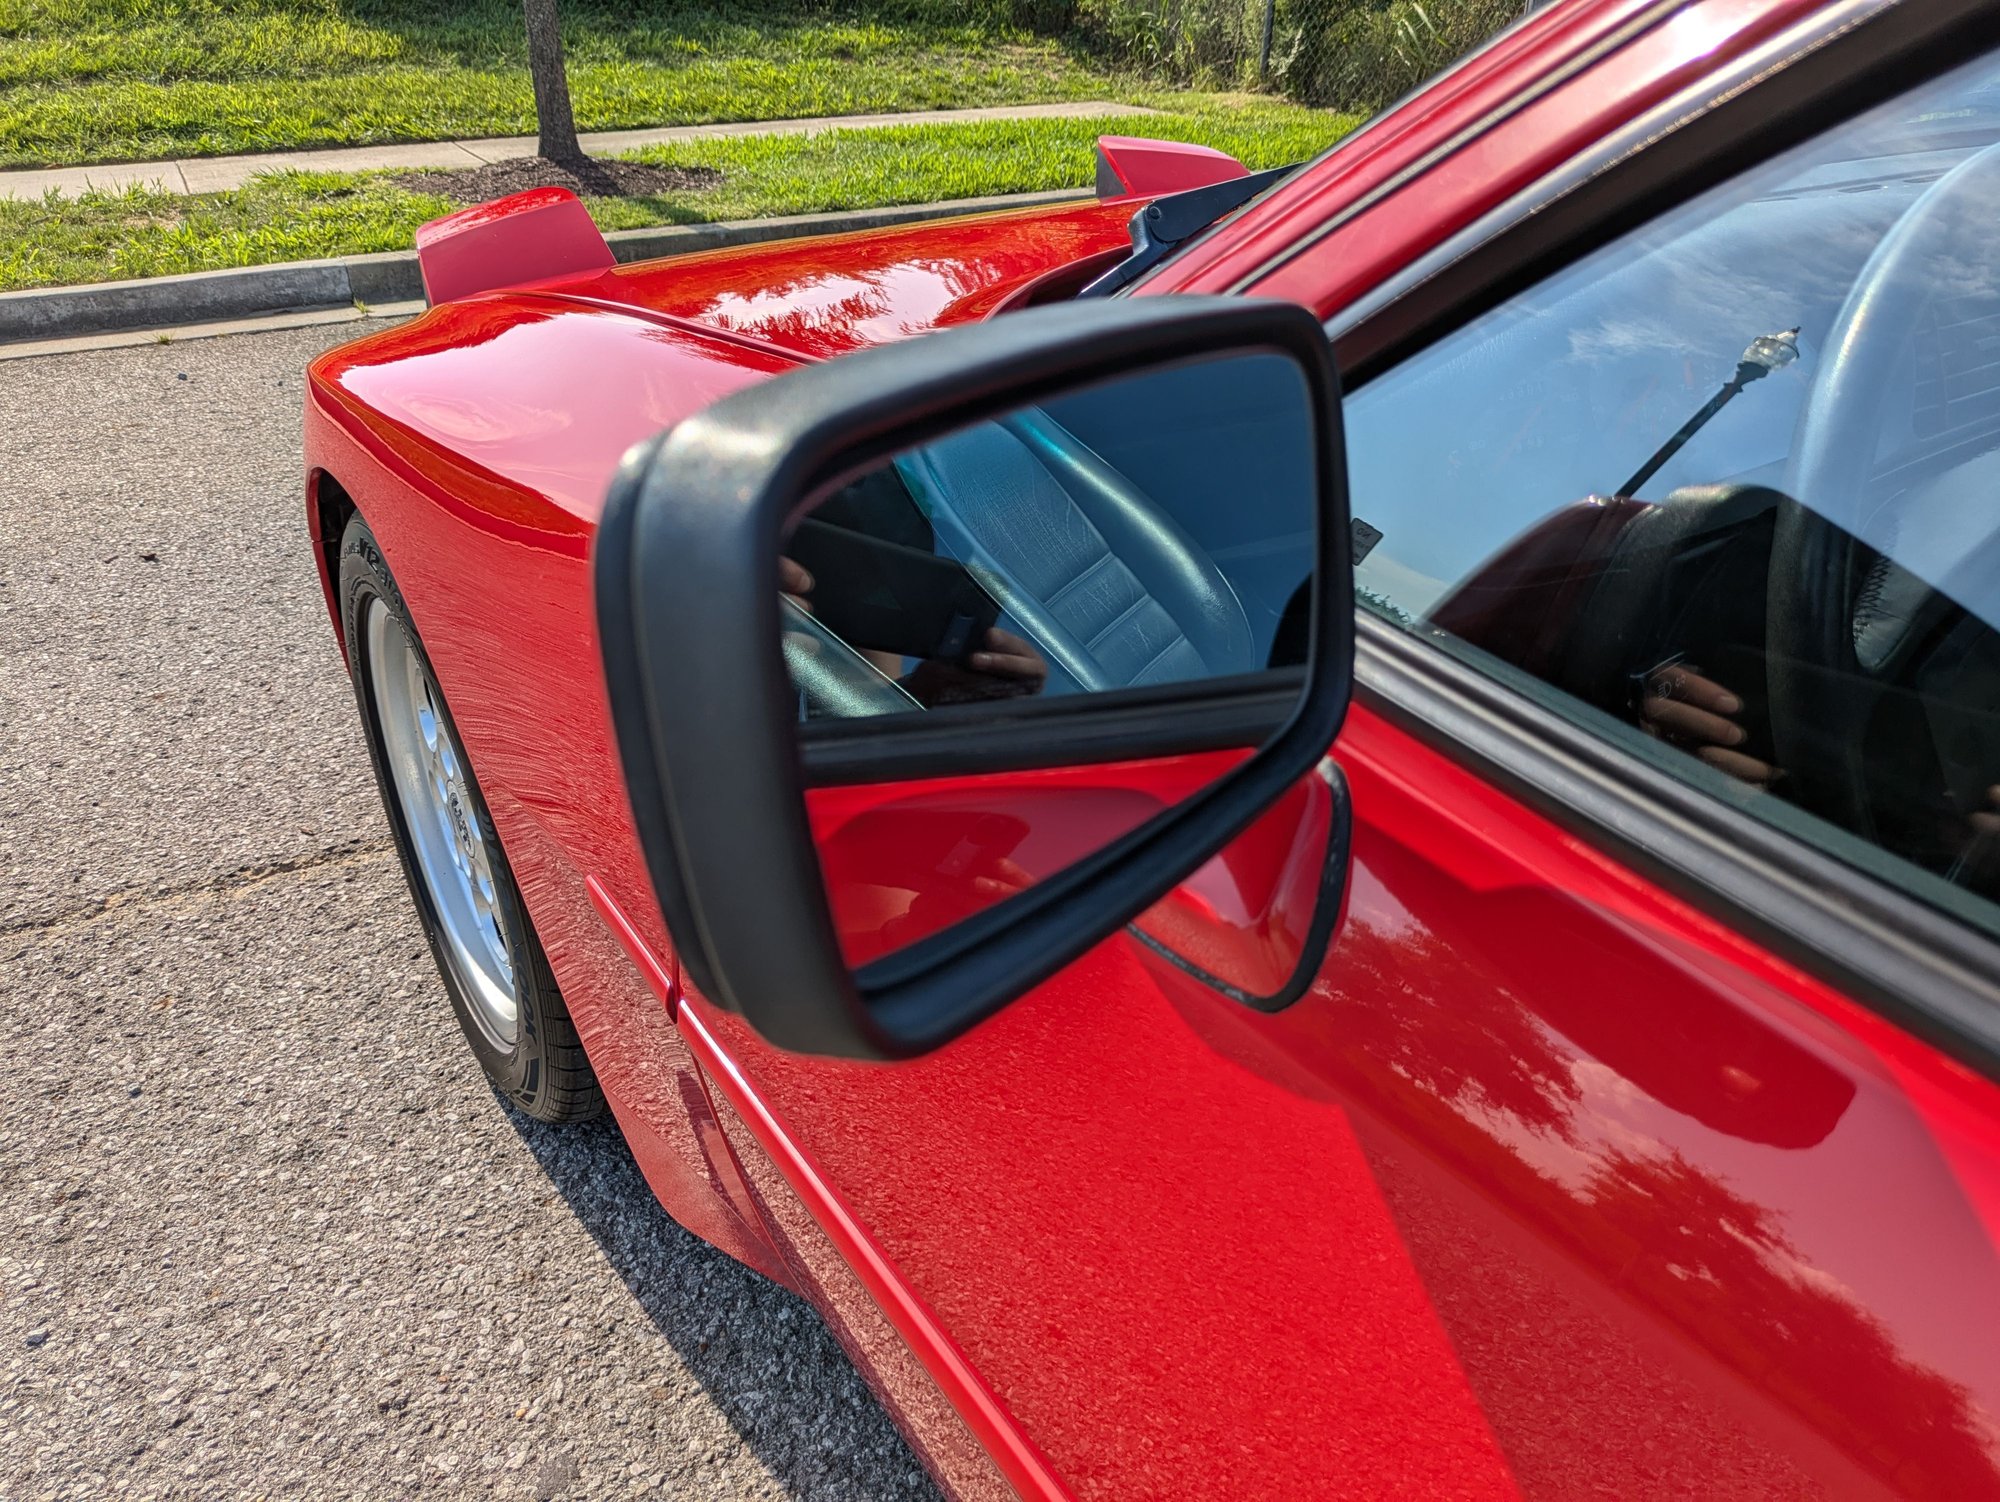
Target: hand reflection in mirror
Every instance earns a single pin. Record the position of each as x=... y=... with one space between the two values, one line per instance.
x=1005 y=666
x=795 y=583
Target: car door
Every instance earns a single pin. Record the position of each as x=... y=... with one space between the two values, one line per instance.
x=1705 y=502
x=1634 y=1135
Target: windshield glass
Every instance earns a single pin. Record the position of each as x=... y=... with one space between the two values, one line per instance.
x=1568 y=390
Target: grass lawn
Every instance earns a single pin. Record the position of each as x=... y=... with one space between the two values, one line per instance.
x=85 y=81
x=299 y=215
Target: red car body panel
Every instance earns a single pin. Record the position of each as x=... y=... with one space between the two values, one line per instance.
x=825 y=297
x=1551 y=1184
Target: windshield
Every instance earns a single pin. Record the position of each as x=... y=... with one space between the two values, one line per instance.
x=1569 y=389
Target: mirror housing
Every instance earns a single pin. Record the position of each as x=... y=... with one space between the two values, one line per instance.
x=688 y=606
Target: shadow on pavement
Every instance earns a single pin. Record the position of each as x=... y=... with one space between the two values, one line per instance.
x=759 y=1351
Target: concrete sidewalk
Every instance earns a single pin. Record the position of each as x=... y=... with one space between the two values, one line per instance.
x=217 y=174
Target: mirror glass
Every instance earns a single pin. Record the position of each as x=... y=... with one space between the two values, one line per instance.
x=1149 y=531
x=1156 y=533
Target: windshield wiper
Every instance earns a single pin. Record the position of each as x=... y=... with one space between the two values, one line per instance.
x=1166 y=224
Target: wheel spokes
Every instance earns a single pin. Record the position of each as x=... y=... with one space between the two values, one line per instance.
x=450 y=844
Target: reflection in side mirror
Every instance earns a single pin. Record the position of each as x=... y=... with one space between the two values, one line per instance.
x=1151 y=530
x=935 y=665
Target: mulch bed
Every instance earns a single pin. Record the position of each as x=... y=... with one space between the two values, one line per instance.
x=589 y=178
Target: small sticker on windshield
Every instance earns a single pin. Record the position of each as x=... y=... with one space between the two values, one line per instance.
x=1364 y=538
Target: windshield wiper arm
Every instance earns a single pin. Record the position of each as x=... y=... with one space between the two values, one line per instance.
x=1165 y=224
x=1767 y=352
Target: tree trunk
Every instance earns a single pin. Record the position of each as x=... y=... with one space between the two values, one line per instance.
x=545 y=65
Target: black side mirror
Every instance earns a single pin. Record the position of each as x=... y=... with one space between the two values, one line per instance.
x=856 y=573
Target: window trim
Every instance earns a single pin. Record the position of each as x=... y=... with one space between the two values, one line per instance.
x=1931 y=974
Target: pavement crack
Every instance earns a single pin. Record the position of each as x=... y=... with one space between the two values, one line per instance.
x=236 y=880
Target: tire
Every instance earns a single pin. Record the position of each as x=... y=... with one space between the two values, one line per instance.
x=486 y=951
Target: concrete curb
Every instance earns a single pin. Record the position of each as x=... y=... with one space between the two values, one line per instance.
x=291 y=286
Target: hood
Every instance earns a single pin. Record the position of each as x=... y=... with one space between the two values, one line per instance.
x=829 y=295
x=529 y=396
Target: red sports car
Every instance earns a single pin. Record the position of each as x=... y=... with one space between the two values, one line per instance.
x=912 y=781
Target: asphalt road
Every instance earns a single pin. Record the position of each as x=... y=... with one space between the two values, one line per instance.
x=264 y=1231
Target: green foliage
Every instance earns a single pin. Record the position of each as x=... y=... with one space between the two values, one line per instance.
x=925 y=163
x=115 y=80
x=1350 y=54
x=1190 y=41
x=299 y=215
x=1365 y=54
x=141 y=232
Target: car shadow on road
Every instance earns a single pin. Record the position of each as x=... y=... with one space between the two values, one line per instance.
x=759 y=1351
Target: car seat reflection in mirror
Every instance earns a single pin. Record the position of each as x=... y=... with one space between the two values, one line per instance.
x=1147 y=531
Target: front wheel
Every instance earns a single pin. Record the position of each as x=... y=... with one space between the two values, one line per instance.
x=472 y=913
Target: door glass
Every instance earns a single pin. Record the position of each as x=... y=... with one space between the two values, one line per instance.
x=1734 y=483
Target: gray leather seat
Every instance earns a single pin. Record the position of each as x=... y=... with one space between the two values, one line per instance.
x=1111 y=589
